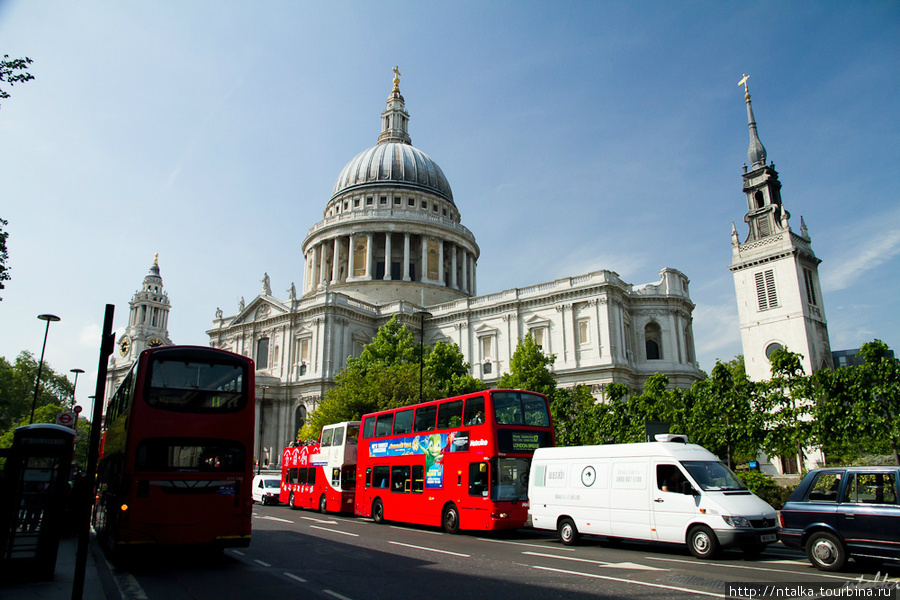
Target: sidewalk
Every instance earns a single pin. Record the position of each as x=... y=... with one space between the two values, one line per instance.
x=98 y=581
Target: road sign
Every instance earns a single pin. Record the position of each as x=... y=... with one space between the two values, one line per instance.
x=66 y=419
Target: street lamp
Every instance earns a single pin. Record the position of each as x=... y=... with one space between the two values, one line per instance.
x=260 y=446
x=75 y=385
x=37 y=384
x=422 y=314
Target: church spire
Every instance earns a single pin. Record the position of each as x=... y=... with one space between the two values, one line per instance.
x=394 y=118
x=756 y=154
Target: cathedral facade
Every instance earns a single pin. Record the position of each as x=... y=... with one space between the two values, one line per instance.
x=392 y=243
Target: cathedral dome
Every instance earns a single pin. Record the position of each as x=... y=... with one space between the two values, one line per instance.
x=396 y=164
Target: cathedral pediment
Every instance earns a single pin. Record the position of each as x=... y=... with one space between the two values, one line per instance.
x=262 y=308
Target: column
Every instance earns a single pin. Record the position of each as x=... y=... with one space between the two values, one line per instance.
x=370 y=256
x=351 y=258
x=474 y=279
x=424 y=270
x=335 y=267
x=323 y=271
x=465 y=271
x=441 y=263
x=405 y=257
x=387 y=255
x=453 y=250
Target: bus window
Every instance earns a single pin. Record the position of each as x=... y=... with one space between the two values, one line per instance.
x=338 y=437
x=195 y=386
x=535 y=409
x=189 y=454
x=400 y=478
x=403 y=422
x=380 y=476
x=418 y=479
x=450 y=414
x=312 y=476
x=369 y=428
x=520 y=408
x=302 y=475
x=425 y=416
x=326 y=437
x=383 y=425
x=352 y=434
x=478 y=479
x=474 y=414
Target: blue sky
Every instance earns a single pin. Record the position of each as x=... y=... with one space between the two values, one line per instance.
x=576 y=136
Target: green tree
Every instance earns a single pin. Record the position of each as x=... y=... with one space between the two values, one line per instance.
x=529 y=369
x=13 y=72
x=788 y=405
x=448 y=373
x=17 y=382
x=877 y=409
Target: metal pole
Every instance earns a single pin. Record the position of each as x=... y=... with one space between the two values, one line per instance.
x=107 y=342
x=259 y=446
x=422 y=314
x=37 y=384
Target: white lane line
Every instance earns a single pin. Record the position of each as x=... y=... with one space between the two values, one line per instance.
x=129 y=588
x=335 y=594
x=419 y=530
x=294 y=577
x=261 y=562
x=747 y=568
x=239 y=553
x=542 y=547
x=431 y=549
x=620 y=580
x=334 y=531
x=268 y=518
x=621 y=565
x=329 y=522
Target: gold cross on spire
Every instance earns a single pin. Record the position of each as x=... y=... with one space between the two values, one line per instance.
x=743 y=82
x=396 y=78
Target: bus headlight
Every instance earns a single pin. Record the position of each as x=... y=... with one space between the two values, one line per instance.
x=737 y=521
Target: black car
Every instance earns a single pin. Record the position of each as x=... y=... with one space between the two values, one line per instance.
x=844 y=511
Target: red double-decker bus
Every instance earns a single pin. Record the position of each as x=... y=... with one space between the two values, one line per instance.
x=458 y=463
x=177 y=460
x=322 y=475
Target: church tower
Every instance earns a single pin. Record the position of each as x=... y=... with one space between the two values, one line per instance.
x=776 y=273
x=148 y=322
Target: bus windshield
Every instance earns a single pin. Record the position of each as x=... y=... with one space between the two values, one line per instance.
x=713 y=476
x=193 y=386
x=520 y=408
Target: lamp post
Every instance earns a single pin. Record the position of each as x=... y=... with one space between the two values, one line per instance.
x=37 y=384
x=260 y=446
x=75 y=385
x=422 y=314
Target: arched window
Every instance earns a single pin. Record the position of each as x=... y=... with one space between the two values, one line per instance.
x=262 y=353
x=299 y=419
x=653 y=341
x=758 y=197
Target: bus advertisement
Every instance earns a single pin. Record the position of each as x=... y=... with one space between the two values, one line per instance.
x=457 y=463
x=177 y=458
x=322 y=475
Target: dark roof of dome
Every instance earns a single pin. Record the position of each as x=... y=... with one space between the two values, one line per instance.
x=393 y=163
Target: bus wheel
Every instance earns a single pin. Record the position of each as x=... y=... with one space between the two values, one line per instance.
x=323 y=504
x=378 y=511
x=291 y=502
x=568 y=533
x=703 y=542
x=450 y=519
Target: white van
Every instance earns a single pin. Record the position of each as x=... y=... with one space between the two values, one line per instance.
x=666 y=491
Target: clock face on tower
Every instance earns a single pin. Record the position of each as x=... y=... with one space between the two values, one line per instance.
x=124 y=346
x=155 y=343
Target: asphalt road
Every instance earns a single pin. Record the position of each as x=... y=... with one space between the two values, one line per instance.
x=302 y=554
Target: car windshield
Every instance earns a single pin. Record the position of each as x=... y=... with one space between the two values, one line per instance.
x=713 y=476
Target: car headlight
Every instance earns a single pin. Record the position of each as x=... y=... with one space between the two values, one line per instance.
x=737 y=521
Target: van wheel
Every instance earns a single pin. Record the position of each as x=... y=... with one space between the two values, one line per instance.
x=568 y=533
x=825 y=551
x=378 y=511
x=703 y=542
x=291 y=502
x=323 y=504
x=450 y=519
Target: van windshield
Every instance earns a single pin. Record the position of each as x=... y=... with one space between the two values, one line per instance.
x=712 y=476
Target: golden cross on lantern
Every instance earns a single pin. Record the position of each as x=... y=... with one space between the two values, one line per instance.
x=743 y=81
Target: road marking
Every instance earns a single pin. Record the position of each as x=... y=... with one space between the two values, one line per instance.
x=334 y=530
x=643 y=583
x=431 y=549
x=129 y=588
x=335 y=594
x=527 y=545
x=276 y=519
x=261 y=562
x=747 y=568
x=238 y=552
x=319 y=521
x=294 y=577
x=419 y=530
x=622 y=565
